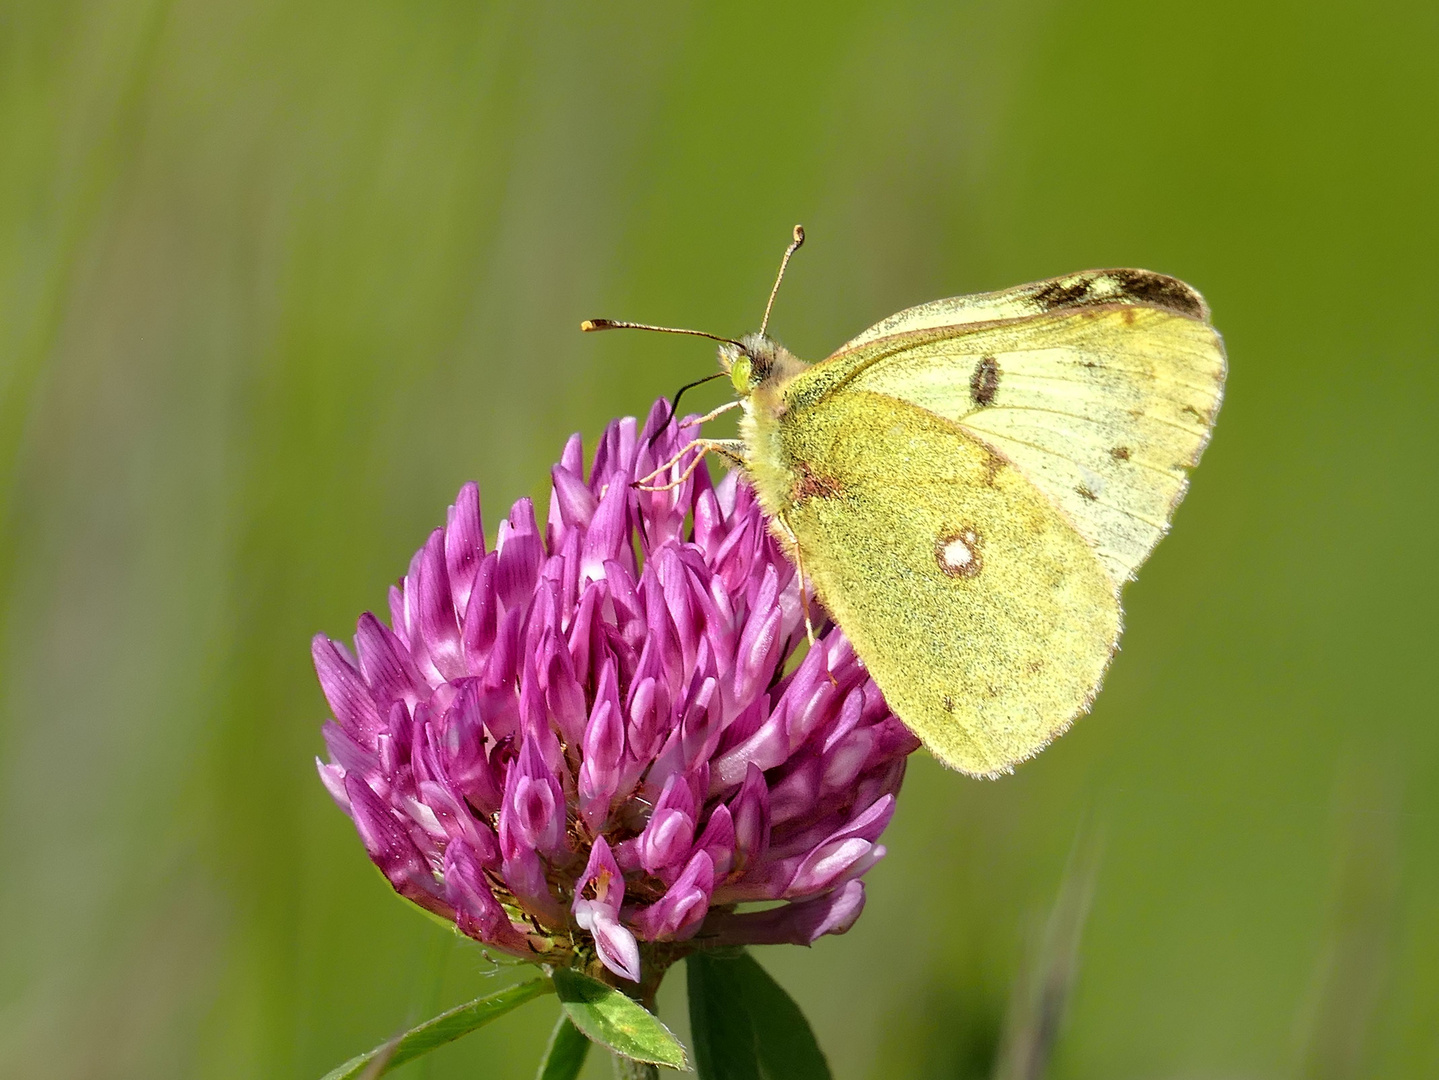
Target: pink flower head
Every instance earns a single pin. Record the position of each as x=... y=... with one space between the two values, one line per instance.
x=591 y=739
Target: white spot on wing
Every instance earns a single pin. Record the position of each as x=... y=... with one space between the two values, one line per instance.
x=957 y=554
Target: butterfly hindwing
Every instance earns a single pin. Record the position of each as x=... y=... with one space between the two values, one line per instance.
x=983 y=615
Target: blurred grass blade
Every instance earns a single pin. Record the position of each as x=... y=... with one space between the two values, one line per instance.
x=1345 y=1000
x=380 y=1059
x=565 y=1056
x=615 y=1021
x=746 y=1026
x=446 y=1027
x=1045 y=984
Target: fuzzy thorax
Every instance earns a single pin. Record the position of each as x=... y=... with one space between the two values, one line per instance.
x=759 y=369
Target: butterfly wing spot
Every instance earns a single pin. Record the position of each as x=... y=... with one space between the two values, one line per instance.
x=1119 y=453
x=958 y=553
x=1160 y=290
x=993 y=463
x=984 y=383
x=947 y=703
x=1091 y=484
x=1120 y=286
x=809 y=484
x=1062 y=292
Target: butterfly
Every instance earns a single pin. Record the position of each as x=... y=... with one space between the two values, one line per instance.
x=968 y=485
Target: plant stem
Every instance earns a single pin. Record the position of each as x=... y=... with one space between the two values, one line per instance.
x=630 y=1069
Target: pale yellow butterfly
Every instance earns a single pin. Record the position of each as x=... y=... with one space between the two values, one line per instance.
x=968 y=484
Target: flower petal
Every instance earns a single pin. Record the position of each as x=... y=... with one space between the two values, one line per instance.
x=345 y=690
x=464 y=543
x=677 y=915
x=391 y=849
x=614 y=943
x=800 y=922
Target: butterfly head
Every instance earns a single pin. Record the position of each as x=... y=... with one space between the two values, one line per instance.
x=757 y=362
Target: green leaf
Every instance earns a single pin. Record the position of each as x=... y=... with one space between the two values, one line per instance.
x=565 y=1056
x=719 y=1021
x=446 y=1027
x=745 y=1026
x=615 y=1021
x=787 y=1046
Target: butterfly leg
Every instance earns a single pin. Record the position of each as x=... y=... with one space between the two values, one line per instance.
x=724 y=447
x=673 y=461
x=713 y=414
x=732 y=450
x=798 y=560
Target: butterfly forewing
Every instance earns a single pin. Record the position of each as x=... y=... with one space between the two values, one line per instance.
x=1100 y=387
x=1089 y=288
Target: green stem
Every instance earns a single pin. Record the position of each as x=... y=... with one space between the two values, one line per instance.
x=630 y=1069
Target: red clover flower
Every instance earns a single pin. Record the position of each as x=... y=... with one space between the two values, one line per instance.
x=590 y=745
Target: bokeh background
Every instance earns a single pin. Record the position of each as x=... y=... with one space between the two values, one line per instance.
x=277 y=277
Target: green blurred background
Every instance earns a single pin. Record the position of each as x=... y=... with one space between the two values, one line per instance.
x=276 y=278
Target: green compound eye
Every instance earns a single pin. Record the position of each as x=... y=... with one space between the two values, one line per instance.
x=740 y=374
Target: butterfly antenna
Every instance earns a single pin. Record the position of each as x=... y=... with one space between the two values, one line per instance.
x=589 y=326
x=794 y=245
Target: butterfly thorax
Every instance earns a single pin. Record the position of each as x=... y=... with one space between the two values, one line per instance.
x=759 y=369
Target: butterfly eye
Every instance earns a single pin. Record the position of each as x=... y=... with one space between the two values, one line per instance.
x=741 y=373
